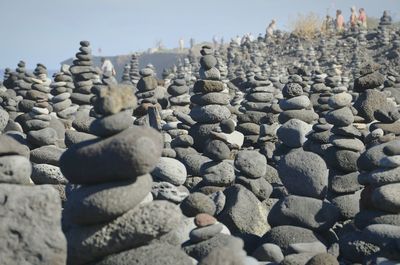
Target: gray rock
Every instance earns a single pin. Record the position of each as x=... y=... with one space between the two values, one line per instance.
x=30 y=226
x=341 y=159
x=101 y=203
x=217 y=150
x=9 y=146
x=323 y=258
x=47 y=174
x=387 y=198
x=251 y=164
x=133 y=229
x=204 y=233
x=292 y=90
x=153 y=254
x=348 y=204
x=346 y=183
x=382 y=235
x=170 y=170
x=217 y=173
x=193 y=163
x=268 y=252
x=300 y=167
x=126 y=155
x=46 y=136
x=293 y=133
x=202 y=249
x=197 y=203
x=340 y=117
x=285 y=235
x=299 y=102
x=15 y=169
x=297 y=259
x=49 y=154
x=243 y=212
x=4 y=117
x=210 y=113
x=113 y=124
x=368 y=217
x=168 y=191
x=260 y=187
x=340 y=100
x=73 y=137
x=223 y=256
x=305 y=212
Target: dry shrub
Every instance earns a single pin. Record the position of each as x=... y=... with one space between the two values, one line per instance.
x=306 y=26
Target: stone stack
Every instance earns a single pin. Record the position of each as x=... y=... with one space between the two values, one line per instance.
x=209 y=99
x=379 y=218
x=36 y=123
x=9 y=101
x=146 y=93
x=370 y=98
x=31 y=215
x=62 y=88
x=104 y=217
x=300 y=218
x=180 y=98
x=296 y=105
x=83 y=74
x=134 y=69
x=384 y=28
x=126 y=79
x=257 y=104
x=342 y=157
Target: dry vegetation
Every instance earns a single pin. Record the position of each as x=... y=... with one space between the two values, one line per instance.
x=306 y=26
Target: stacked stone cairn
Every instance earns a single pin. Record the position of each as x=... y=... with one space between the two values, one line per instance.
x=210 y=102
x=62 y=88
x=378 y=220
x=134 y=69
x=342 y=156
x=104 y=219
x=83 y=74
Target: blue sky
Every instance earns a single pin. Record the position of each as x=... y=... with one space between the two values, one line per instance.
x=49 y=31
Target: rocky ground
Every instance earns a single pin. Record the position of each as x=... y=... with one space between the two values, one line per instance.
x=276 y=151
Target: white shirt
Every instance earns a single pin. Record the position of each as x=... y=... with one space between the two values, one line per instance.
x=107 y=66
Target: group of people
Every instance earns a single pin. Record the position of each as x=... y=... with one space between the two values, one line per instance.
x=355 y=21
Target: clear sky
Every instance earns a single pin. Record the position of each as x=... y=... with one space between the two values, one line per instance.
x=49 y=31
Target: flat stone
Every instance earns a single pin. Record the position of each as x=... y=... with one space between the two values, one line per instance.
x=131 y=153
x=345 y=183
x=210 y=113
x=340 y=100
x=113 y=124
x=340 y=117
x=207 y=86
x=352 y=144
x=96 y=204
x=9 y=146
x=47 y=174
x=204 y=233
x=303 y=212
x=46 y=136
x=387 y=198
x=170 y=170
x=49 y=154
x=259 y=187
x=204 y=248
x=134 y=228
x=299 y=102
x=153 y=254
x=268 y=252
x=285 y=235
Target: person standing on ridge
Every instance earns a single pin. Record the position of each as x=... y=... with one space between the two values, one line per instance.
x=362 y=18
x=353 y=18
x=339 y=21
x=107 y=67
